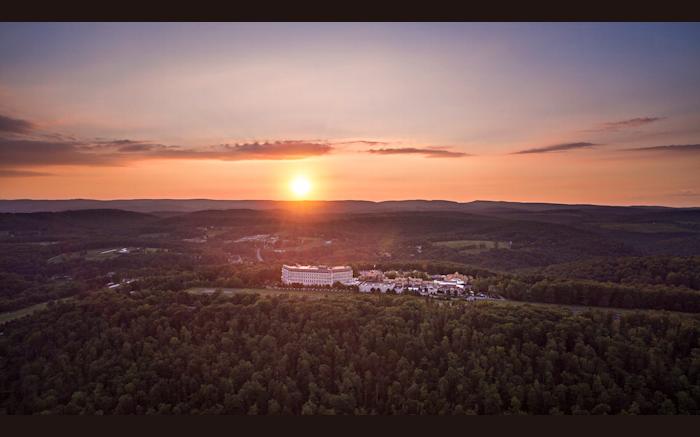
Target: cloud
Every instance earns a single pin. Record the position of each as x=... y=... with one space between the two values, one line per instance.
x=278 y=150
x=10 y=173
x=365 y=142
x=101 y=145
x=613 y=126
x=288 y=149
x=14 y=125
x=686 y=193
x=428 y=152
x=685 y=148
x=142 y=147
x=27 y=152
x=23 y=145
x=557 y=148
x=32 y=152
x=129 y=146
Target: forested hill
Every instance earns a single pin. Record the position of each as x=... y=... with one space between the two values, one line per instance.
x=96 y=219
x=498 y=241
x=176 y=353
x=661 y=270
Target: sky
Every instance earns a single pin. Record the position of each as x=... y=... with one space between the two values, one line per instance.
x=601 y=113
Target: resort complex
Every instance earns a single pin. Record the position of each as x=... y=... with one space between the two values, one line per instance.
x=377 y=281
x=316 y=275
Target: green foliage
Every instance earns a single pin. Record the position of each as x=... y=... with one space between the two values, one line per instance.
x=16 y=292
x=177 y=353
x=591 y=293
x=673 y=271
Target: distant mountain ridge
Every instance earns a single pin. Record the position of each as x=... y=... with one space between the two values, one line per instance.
x=331 y=206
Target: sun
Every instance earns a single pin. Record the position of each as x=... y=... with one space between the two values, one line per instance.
x=300 y=186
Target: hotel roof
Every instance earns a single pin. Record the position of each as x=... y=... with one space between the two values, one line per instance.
x=316 y=269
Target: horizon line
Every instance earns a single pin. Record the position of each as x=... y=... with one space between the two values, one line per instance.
x=346 y=200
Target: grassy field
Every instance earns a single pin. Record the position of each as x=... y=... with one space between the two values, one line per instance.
x=581 y=308
x=91 y=255
x=304 y=243
x=322 y=294
x=12 y=315
x=155 y=235
x=645 y=228
x=213 y=233
x=473 y=246
x=150 y=250
x=98 y=255
x=262 y=292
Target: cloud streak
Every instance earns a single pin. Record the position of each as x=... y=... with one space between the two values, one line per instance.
x=10 y=173
x=673 y=148
x=614 y=126
x=557 y=148
x=365 y=143
x=15 y=125
x=686 y=193
x=288 y=149
x=428 y=152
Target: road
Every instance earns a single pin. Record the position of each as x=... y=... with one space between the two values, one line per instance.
x=12 y=315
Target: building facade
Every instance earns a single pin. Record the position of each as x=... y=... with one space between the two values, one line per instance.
x=316 y=275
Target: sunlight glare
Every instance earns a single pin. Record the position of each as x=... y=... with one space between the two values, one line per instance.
x=301 y=186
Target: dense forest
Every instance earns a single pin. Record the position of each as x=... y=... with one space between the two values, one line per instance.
x=674 y=271
x=18 y=293
x=174 y=353
x=594 y=293
x=147 y=346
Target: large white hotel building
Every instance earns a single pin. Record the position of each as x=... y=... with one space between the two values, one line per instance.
x=316 y=275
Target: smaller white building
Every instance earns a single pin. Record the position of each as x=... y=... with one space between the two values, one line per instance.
x=383 y=287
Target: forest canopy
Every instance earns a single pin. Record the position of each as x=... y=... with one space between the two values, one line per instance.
x=175 y=353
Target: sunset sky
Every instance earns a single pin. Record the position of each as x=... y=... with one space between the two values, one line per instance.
x=605 y=113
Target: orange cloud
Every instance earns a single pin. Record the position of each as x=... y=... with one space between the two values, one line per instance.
x=428 y=152
x=557 y=148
